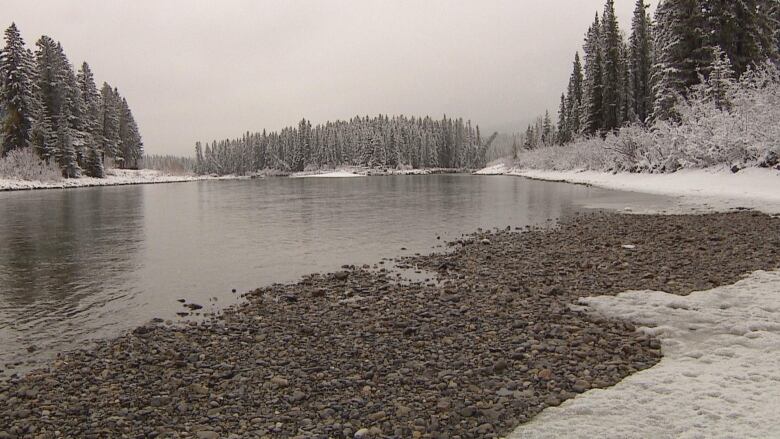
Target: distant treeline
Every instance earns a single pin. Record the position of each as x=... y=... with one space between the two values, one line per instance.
x=382 y=141
x=59 y=113
x=168 y=164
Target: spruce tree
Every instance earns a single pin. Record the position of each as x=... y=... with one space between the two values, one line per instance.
x=720 y=82
x=547 y=131
x=743 y=29
x=574 y=98
x=592 y=108
x=641 y=63
x=564 y=135
x=55 y=87
x=682 y=52
x=109 y=119
x=19 y=105
x=612 y=88
x=130 y=138
x=91 y=124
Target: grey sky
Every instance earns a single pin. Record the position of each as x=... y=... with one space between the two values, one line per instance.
x=199 y=70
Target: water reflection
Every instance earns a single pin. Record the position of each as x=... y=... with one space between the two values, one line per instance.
x=59 y=250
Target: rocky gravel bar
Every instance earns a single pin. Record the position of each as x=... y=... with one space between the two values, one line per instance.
x=359 y=354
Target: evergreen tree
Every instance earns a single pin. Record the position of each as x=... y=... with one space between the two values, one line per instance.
x=721 y=80
x=548 y=130
x=564 y=134
x=109 y=119
x=641 y=63
x=17 y=97
x=55 y=87
x=743 y=29
x=627 y=114
x=682 y=52
x=130 y=138
x=612 y=79
x=592 y=109
x=574 y=98
x=91 y=122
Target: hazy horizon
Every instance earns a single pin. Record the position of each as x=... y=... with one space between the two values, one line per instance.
x=201 y=71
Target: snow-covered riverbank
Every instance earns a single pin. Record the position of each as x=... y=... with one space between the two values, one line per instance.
x=114 y=177
x=718 y=188
x=354 y=171
x=719 y=376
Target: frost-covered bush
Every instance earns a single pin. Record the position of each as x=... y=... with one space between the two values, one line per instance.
x=585 y=154
x=722 y=122
x=24 y=164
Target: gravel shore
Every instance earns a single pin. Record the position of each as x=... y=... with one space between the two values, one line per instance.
x=496 y=339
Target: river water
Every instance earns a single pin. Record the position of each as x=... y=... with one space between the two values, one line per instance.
x=89 y=263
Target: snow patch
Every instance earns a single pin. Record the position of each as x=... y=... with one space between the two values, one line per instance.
x=719 y=378
x=331 y=174
x=114 y=177
x=497 y=169
x=715 y=188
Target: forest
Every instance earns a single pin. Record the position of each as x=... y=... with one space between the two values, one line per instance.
x=378 y=142
x=694 y=85
x=58 y=115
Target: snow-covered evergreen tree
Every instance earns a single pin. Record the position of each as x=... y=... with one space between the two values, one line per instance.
x=641 y=62
x=720 y=83
x=130 y=141
x=593 y=90
x=109 y=119
x=682 y=52
x=17 y=97
x=743 y=29
x=574 y=98
x=91 y=122
x=612 y=68
x=564 y=133
x=56 y=92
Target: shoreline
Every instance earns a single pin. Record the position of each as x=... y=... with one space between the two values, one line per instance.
x=125 y=177
x=115 y=177
x=717 y=189
x=358 y=354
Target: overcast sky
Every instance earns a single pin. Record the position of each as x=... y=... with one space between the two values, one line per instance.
x=199 y=70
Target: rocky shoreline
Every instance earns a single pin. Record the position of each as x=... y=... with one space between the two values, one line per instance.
x=359 y=353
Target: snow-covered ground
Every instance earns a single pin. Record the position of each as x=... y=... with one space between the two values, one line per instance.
x=327 y=174
x=114 y=177
x=719 y=378
x=720 y=375
x=356 y=171
x=718 y=188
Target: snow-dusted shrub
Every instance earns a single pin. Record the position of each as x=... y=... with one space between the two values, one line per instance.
x=24 y=164
x=722 y=122
x=584 y=154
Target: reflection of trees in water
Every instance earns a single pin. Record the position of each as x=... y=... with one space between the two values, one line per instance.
x=65 y=246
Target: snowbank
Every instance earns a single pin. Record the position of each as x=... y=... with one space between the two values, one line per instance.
x=330 y=174
x=356 y=171
x=114 y=177
x=497 y=169
x=719 y=188
x=720 y=375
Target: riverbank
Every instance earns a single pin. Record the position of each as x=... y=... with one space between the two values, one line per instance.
x=496 y=340
x=717 y=188
x=114 y=177
x=375 y=172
